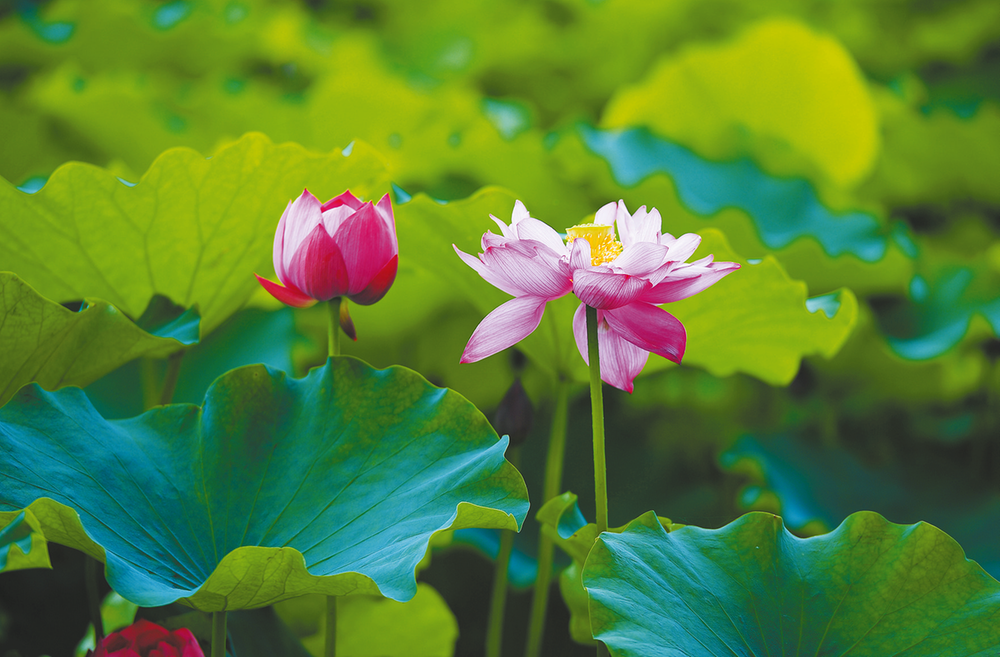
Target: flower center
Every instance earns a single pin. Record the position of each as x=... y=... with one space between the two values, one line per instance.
x=604 y=247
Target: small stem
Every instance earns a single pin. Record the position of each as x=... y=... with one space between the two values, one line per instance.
x=218 y=634
x=597 y=411
x=331 y=622
x=498 y=603
x=334 y=307
x=170 y=379
x=553 y=482
x=91 y=584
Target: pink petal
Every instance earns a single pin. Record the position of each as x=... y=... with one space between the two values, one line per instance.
x=676 y=288
x=488 y=275
x=507 y=325
x=684 y=247
x=300 y=218
x=641 y=258
x=347 y=198
x=529 y=267
x=620 y=360
x=605 y=216
x=318 y=268
x=533 y=229
x=290 y=295
x=505 y=230
x=605 y=289
x=649 y=328
x=379 y=285
x=519 y=214
x=639 y=228
x=279 y=244
x=579 y=255
x=366 y=246
x=384 y=208
x=335 y=217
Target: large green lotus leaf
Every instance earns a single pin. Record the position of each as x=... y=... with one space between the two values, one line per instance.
x=193 y=229
x=789 y=96
x=273 y=488
x=44 y=342
x=751 y=588
x=817 y=485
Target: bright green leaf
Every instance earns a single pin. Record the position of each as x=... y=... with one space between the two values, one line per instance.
x=23 y=544
x=193 y=229
x=45 y=343
x=869 y=588
x=273 y=488
x=370 y=626
x=790 y=92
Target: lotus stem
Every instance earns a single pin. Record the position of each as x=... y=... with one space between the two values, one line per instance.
x=498 y=603
x=218 y=634
x=553 y=484
x=597 y=412
x=90 y=583
x=334 y=307
x=170 y=379
x=330 y=648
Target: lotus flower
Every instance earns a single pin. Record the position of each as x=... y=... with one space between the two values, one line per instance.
x=623 y=277
x=145 y=639
x=341 y=248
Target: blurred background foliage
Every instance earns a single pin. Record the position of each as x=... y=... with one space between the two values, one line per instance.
x=847 y=153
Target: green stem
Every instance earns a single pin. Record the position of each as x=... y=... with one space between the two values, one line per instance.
x=218 y=634
x=90 y=583
x=334 y=307
x=498 y=603
x=170 y=379
x=553 y=483
x=597 y=411
x=331 y=625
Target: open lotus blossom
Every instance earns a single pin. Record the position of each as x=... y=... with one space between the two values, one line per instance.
x=624 y=277
x=341 y=248
x=146 y=639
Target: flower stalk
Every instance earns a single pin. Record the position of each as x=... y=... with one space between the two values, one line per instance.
x=498 y=603
x=330 y=649
x=553 y=484
x=597 y=412
x=333 y=305
x=218 y=634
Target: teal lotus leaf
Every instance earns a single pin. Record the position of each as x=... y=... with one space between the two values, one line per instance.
x=44 y=342
x=868 y=588
x=273 y=488
x=825 y=484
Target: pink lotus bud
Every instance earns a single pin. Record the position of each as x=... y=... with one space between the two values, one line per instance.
x=342 y=248
x=146 y=639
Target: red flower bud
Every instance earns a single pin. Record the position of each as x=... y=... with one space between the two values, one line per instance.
x=145 y=639
x=342 y=248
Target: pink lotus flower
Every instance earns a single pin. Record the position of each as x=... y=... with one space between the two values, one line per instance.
x=145 y=639
x=342 y=248
x=623 y=279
